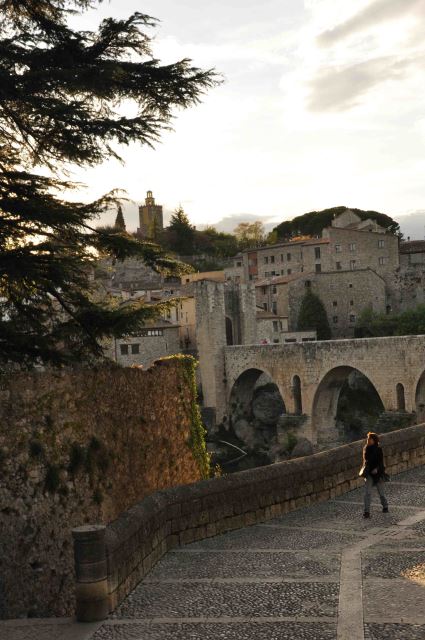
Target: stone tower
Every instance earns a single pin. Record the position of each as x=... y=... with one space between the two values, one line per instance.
x=150 y=218
x=225 y=315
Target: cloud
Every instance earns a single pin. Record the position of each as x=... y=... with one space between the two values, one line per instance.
x=229 y=223
x=338 y=89
x=374 y=14
x=412 y=225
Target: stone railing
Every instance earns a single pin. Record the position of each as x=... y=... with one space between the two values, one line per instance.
x=111 y=560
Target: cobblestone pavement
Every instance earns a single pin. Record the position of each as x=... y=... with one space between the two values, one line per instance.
x=320 y=573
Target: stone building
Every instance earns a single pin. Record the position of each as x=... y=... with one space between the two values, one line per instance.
x=158 y=339
x=408 y=286
x=344 y=295
x=151 y=220
x=348 y=244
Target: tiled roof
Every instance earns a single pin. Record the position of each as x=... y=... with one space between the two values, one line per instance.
x=280 y=279
x=412 y=246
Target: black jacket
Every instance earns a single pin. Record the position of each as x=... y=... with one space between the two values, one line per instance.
x=374 y=459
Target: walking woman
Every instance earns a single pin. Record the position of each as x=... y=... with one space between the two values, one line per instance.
x=373 y=471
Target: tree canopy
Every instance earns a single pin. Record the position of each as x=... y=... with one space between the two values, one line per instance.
x=250 y=234
x=312 y=316
x=63 y=100
x=313 y=223
x=410 y=322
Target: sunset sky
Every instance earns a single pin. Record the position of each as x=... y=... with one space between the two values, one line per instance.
x=322 y=105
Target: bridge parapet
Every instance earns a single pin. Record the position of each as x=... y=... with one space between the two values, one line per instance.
x=167 y=519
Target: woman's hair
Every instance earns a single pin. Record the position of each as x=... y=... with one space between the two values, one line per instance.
x=374 y=437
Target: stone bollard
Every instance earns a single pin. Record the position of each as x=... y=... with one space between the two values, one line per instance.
x=91 y=573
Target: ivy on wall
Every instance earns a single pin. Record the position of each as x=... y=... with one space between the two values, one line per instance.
x=197 y=440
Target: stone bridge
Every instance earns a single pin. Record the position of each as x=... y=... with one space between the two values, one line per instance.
x=310 y=376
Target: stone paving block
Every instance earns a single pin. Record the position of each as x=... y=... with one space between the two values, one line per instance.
x=265 y=537
x=394 y=632
x=246 y=564
x=393 y=599
x=403 y=564
x=341 y=516
x=219 y=631
x=151 y=600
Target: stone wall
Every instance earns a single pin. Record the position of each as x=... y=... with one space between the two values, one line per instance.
x=78 y=447
x=174 y=517
x=344 y=294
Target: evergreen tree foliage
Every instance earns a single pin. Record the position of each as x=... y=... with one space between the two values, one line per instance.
x=181 y=233
x=63 y=99
x=312 y=316
x=372 y=324
x=313 y=223
x=119 y=220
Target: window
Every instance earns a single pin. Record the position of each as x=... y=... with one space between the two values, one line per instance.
x=289 y=272
x=281 y=257
x=264 y=290
x=352 y=265
x=288 y=257
x=266 y=274
x=290 y=339
x=250 y=276
x=381 y=244
x=335 y=319
x=124 y=349
x=383 y=261
x=282 y=272
x=308 y=284
x=318 y=268
x=274 y=289
x=149 y=333
x=187 y=280
x=239 y=264
x=317 y=253
x=337 y=248
x=135 y=349
x=352 y=318
x=266 y=260
x=335 y=303
x=351 y=303
x=265 y=306
x=338 y=266
x=275 y=325
x=352 y=246
x=272 y=259
x=350 y=286
x=274 y=306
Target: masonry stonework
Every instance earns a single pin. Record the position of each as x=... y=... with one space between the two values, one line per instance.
x=322 y=368
x=80 y=447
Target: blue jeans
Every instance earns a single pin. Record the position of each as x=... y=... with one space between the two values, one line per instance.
x=368 y=484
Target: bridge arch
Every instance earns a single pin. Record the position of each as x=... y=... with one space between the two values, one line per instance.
x=420 y=398
x=337 y=389
x=255 y=405
x=297 y=395
x=230 y=336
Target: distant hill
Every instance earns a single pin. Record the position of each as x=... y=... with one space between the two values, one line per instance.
x=312 y=223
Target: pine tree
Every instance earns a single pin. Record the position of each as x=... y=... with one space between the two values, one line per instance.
x=119 y=220
x=182 y=232
x=312 y=316
x=62 y=94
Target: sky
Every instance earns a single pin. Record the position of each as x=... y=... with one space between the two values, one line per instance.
x=322 y=105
